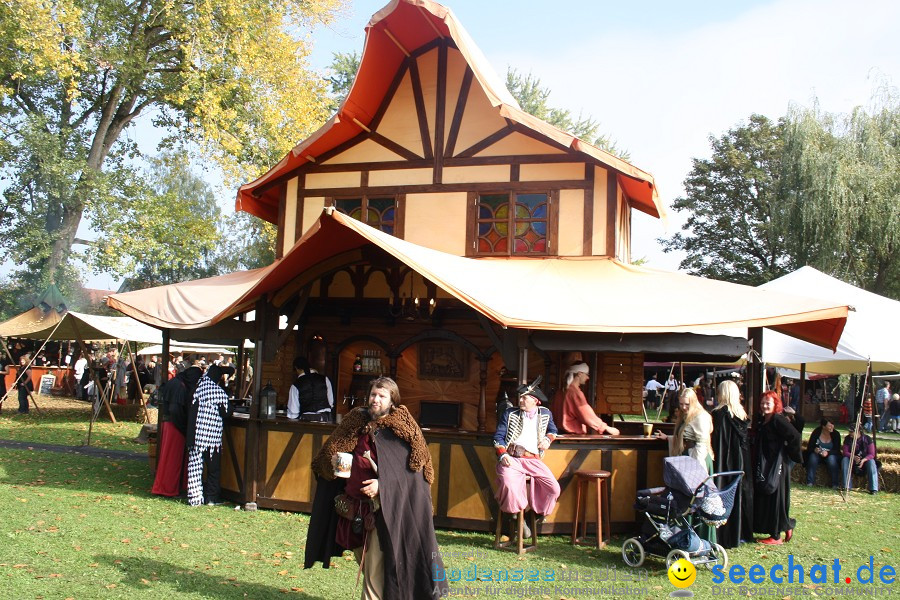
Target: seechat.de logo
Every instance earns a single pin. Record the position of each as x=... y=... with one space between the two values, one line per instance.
x=794 y=572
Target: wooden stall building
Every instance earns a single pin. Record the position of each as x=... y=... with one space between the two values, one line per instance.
x=439 y=234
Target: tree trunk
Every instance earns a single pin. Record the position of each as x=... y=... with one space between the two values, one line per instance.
x=115 y=116
x=62 y=241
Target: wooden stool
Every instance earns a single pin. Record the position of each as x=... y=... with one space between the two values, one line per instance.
x=520 y=547
x=582 y=479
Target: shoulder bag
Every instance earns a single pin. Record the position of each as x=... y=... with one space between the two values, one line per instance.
x=768 y=472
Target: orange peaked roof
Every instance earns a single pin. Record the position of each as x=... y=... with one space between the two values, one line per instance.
x=396 y=30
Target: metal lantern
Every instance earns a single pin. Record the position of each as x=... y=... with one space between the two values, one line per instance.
x=268 y=400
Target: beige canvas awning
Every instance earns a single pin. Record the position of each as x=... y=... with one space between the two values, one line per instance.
x=190 y=304
x=593 y=294
x=34 y=319
x=75 y=325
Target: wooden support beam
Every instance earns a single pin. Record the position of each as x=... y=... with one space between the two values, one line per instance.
x=458 y=112
x=421 y=115
x=388 y=33
x=439 y=112
x=612 y=212
x=295 y=316
x=755 y=369
x=485 y=143
x=393 y=146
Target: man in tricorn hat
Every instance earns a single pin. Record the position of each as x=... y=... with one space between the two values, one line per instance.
x=522 y=436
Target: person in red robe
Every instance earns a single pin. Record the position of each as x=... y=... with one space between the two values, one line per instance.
x=174 y=399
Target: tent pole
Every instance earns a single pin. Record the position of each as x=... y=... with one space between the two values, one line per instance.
x=93 y=375
x=665 y=394
x=12 y=363
x=239 y=370
x=164 y=359
x=755 y=370
x=100 y=393
x=802 y=401
x=31 y=362
x=846 y=486
x=138 y=380
x=522 y=343
x=876 y=417
x=248 y=386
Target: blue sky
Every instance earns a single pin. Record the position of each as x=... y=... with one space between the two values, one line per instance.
x=661 y=77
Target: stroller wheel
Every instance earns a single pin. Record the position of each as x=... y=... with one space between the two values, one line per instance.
x=633 y=552
x=718 y=556
x=675 y=555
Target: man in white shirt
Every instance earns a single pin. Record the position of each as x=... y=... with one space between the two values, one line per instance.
x=653 y=387
x=80 y=366
x=311 y=397
x=882 y=397
x=671 y=399
x=522 y=437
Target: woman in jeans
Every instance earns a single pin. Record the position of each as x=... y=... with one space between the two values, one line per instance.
x=824 y=447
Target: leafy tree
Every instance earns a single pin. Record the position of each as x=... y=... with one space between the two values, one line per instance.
x=165 y=231
x=229 y=76
x=344 y=66
x=251 y=243
x=11 y=292
x=842 y=192
x=814 y=189
x=734 y=227
x=533 y=99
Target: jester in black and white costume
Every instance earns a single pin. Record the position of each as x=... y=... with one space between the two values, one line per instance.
x=204 y=439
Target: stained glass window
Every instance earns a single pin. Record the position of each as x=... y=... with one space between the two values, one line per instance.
x=379 y=212
x=511 y=224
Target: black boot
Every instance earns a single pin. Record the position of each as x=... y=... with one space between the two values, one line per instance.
x=513 y=527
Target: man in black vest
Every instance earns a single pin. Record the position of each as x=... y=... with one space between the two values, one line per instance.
x=310 y=398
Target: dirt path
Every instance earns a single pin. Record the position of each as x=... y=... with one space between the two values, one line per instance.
x=82 y=450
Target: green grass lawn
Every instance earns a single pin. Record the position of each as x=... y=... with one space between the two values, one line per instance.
x=66 y=421
x=83 y=527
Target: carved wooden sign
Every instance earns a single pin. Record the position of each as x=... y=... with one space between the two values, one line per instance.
x=442 y=360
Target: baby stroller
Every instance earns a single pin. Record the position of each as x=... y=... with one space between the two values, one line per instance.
x=668 y=532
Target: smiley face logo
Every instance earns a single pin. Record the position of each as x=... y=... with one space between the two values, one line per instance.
x=682 y=573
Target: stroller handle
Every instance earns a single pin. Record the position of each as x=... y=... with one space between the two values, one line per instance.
x=723 y=473
x=702 y=486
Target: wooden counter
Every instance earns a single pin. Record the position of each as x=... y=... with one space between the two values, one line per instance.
x=65 y=378
x=464 y=464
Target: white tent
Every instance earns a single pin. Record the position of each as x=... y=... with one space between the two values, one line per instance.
x=190 y=348
x=872 y=331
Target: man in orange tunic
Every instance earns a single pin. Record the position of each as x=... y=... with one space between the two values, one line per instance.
x=577 y=415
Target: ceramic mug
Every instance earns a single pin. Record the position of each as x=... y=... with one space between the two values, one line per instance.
x=342 y=462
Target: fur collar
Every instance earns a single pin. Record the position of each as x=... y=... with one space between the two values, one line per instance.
x=357 y=423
